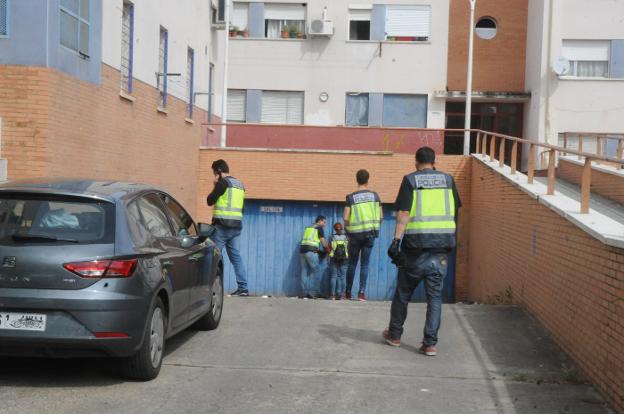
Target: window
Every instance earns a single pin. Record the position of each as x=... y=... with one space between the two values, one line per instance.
x=75 y=25
x=408 y=23
x=221 y=12
x=357 y=109
x=4 y=18
x=360 y=24
x=181 y=219
x=486 y=28
x=405 y=110
x=127 y=47
x=154 y=217
x=162 y=66
x=280 y=107
x=236 y=105
x=190 y=73
x=284 y=20
x=239 y=19
x=588 y=58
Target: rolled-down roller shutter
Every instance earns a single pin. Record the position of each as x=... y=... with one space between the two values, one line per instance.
x=408 y=21
x=280 y=107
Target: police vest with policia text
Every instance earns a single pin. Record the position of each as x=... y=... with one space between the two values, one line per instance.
x=364 y=216
x=229 y=207
x=432 y=214
x=311 y=237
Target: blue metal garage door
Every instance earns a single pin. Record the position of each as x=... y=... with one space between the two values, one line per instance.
x=270 y=248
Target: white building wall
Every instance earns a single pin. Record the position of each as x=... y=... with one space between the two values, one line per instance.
x=188 y=24
x=336 y=65
x=567 y=104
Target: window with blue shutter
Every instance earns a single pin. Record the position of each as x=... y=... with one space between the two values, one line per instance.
x=74 y=25
x=4 y=18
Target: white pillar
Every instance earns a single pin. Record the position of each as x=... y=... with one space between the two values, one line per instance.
x=469 y=81
x=226 y=53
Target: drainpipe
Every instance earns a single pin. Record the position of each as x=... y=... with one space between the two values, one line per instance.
x=468 y=111
x=226 y=53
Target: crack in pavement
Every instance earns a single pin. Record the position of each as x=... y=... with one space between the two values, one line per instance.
x=334 y=371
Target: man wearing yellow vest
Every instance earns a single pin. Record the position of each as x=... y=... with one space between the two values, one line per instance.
x=427 y=206
x=362 y=217
x=228 y=198
x=312 y=241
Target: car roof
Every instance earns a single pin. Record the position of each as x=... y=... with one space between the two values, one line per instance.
x=103 y=189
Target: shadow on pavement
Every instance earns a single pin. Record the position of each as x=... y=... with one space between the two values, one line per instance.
x=71 y=372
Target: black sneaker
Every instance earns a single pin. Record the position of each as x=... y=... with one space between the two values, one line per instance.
x=240 y=292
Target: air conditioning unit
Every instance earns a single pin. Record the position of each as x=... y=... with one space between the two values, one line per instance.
x=321 y=28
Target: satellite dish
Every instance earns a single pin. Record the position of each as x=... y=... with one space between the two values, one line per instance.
x=561 y=66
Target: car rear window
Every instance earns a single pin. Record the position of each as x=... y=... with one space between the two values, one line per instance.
x=36 y=219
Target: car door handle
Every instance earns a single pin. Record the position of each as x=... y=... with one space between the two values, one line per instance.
x=195 y=257
x=167 y=263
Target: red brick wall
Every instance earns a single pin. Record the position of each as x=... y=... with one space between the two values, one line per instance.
x=55 y=125
x=403 y=140
x=522 y=252
x=602 y=183
x=326 y=176
x=499 y=64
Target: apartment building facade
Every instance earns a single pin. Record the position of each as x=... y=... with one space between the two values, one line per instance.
x=107 y=89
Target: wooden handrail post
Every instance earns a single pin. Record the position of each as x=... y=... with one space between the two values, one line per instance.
x=531 y=164
x=586 y=186
x=478 y=141
x=598 y=147
x=493 y=148
x=501 y=153
x=580 y=145
x=551 y=172
x=514 y=157
x=484 y=146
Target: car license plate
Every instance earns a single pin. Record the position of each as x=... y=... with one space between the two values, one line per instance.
x=22 y=321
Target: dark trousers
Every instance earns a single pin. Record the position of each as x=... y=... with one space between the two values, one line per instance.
x=430 y=268
x=360 y=249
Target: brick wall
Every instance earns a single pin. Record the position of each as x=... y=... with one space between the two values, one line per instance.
x=55 y=125
x=499 y=64
x=605 y=184
x=326 y=176
x=522 y=252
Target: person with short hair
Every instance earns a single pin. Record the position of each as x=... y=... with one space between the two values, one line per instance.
x=424 y=236
x=312 y=242
x=339 y=259
x=362 y=216
x=228 y=198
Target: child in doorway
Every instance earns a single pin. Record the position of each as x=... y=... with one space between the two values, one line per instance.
x=339 y=261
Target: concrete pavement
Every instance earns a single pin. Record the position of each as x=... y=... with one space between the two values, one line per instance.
x=302 y=356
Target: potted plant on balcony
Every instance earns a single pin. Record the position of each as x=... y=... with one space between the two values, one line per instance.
x=243 y=32
x=285 y=32
x=300 y=35
x=293 y=32
x=233 y=31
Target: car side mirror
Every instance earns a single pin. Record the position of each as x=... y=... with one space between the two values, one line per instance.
x=206 y=230
x=188 y=242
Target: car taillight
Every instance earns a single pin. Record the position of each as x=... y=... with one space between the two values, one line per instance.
x=103 y=268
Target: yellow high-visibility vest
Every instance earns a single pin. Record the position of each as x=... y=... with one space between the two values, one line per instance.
x=230 y=205
x=365 y=213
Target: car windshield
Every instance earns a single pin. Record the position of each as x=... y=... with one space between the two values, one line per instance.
x=36 y=219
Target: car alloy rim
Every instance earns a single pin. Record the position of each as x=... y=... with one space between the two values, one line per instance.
x=217 y=298
x=157 y=337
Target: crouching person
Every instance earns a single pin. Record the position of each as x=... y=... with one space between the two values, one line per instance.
x=339 y=262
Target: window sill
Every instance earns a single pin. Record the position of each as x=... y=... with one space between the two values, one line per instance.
x=582 y=78
x=126 y=96
x=392 y=42
x=162 y=110
x=279 y=39
x=189 y=121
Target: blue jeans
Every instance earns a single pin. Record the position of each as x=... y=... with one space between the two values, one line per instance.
x=357 y=247
x=337 y=279
x=230 y=239
x=310 y=267
x=430 y=267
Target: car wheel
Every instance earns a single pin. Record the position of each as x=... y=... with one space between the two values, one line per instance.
x=211 y=319
x=145 y=364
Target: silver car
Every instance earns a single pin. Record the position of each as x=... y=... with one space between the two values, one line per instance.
x=101 y=268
